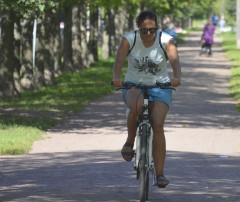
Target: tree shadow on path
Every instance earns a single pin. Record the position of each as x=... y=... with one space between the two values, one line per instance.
x=105 y=176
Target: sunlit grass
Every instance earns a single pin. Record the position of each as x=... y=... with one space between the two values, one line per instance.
x=13 y=141
x=70 y=92
x=18 y=134
x=198 y=24
x=233 y=54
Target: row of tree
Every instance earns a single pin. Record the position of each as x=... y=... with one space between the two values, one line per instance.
x=25 y=68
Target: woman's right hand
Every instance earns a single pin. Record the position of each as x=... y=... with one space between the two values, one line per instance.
x=117 y=82
x=175 y=82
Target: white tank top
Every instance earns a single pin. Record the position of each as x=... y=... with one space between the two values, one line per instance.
x=147 y=65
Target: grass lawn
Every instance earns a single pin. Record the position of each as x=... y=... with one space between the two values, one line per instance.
x=25 y=119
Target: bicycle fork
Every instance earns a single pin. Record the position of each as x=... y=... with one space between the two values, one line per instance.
x=150 y=156
x=149 y=164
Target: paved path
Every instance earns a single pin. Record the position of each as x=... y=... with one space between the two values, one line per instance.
x=79 y=160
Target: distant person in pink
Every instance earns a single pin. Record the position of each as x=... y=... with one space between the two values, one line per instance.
x=207 y=36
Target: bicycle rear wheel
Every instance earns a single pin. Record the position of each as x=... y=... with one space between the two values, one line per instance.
x=143 y=172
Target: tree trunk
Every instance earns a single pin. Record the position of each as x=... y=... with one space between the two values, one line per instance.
x=52 y=40
x=41 y=49
x=67 y=44
x=76 y=42
x=93 y=36
x=111 y=30
x=121 y=20
x=186 y=23
x=101 y=28
x=112 y=35
x=83 y=35
x=131 y=25
x=54 y=36
x=238 y=23
x=27 y=64
x=1 y=60
x=7 y=55
x=108 y=34
x=17 y=64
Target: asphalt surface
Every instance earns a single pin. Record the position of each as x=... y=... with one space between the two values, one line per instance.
x=80 y=160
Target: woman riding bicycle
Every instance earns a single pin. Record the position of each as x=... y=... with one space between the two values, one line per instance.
x=147 y=64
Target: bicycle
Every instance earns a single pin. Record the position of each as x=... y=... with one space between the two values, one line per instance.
x=206 y=50
x=144 y=137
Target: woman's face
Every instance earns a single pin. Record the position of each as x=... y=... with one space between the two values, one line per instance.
x=148 y=29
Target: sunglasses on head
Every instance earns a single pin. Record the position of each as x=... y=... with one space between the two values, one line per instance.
x=145 y=30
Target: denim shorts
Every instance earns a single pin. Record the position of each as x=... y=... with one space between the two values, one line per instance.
x=155 y=94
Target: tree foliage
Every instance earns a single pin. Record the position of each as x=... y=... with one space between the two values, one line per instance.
x=230 y=11
x=28 y=8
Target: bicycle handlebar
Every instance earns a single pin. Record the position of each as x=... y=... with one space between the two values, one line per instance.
x=127 y=85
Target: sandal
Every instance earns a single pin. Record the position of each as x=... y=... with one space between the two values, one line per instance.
x=129 y=154
x=162 y=178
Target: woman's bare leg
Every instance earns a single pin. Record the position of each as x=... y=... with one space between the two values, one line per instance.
x=134 y=100
x=159 y=112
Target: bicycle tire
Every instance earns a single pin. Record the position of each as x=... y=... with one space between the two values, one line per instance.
x=147 y=184
x=143 y=173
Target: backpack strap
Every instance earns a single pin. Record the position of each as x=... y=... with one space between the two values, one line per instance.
x=135 y=33
x=160 y=35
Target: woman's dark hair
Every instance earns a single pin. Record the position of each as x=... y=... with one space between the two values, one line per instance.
x=144 y=15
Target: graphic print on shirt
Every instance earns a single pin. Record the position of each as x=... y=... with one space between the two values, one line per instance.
x=146 y=65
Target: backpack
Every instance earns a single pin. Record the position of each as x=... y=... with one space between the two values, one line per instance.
x=160 y=43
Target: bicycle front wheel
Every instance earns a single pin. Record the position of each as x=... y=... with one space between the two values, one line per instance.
x=143 y=172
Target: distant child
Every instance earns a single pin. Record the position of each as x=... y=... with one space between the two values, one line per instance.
x=207 y=37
